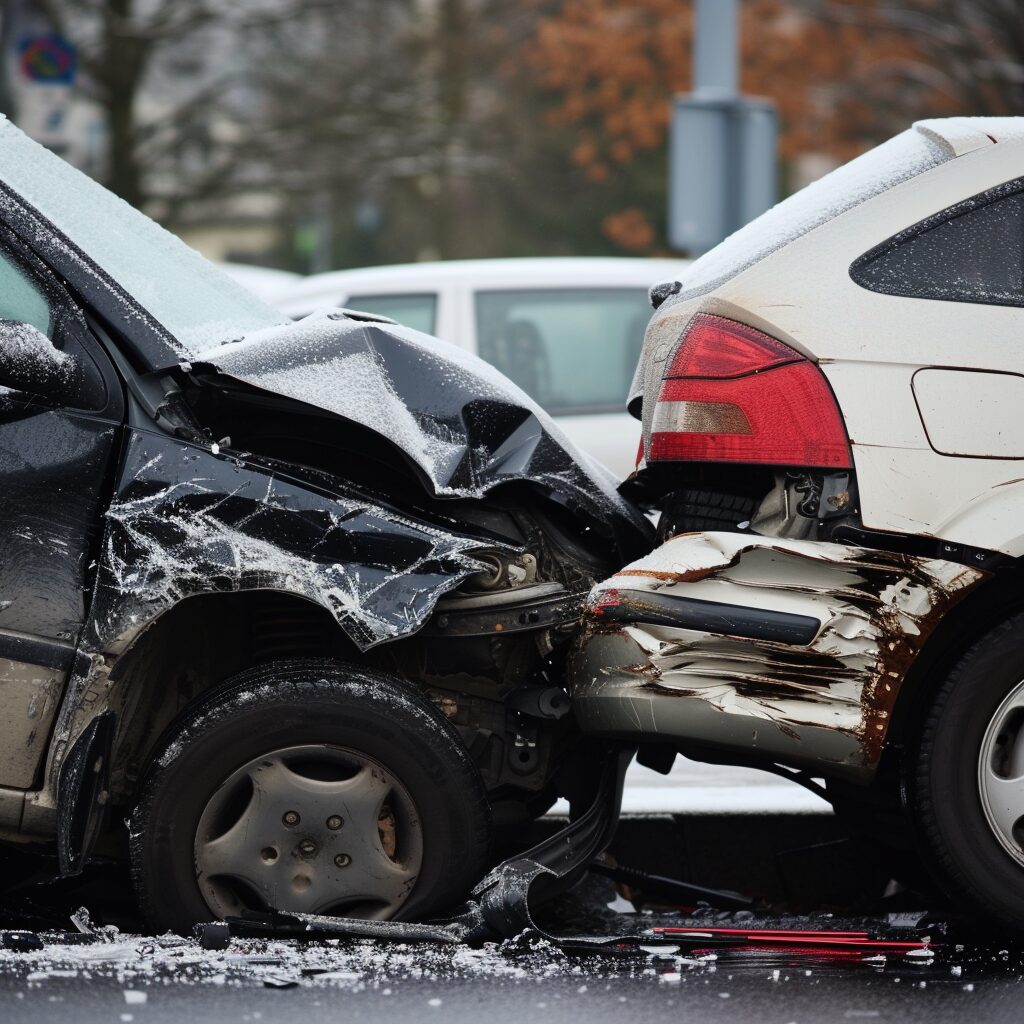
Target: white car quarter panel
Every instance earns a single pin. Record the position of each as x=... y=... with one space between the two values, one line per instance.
x=970 y=412
x=871 y=345
x=877 y=403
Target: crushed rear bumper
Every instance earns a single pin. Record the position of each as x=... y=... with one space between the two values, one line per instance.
x=781 y=650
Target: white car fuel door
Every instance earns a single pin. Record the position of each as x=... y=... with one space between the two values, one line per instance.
x=972 y=413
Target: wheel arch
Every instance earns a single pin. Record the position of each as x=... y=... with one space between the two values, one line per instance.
x=980 y=611
x=151 y=683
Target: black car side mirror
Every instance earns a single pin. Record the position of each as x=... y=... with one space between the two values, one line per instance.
x=31 y=363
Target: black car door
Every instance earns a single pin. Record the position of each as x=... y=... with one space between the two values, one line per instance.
x=60 y=413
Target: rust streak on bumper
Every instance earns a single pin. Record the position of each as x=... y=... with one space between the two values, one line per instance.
x=827 y=703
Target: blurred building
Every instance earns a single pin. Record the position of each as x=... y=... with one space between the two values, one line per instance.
x=40 y=71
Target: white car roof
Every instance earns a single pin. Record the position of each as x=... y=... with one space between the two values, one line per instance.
x=961 y=135
x=264 y=282
x=926 y=145
x=541 y=272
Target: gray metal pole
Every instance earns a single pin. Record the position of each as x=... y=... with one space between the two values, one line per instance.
x=716 y=48
x=721 y=144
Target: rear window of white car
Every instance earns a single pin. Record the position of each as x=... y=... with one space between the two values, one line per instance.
x=971 y=252
x=903 y=157
x=572 y=350
x=416 y=311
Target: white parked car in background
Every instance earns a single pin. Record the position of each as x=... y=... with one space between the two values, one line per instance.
x=264 y=282
x=568 y=331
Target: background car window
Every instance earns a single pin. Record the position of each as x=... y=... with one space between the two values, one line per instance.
x=416 y=311
x=39 y=355
x=20 y=299
x=973 y=252
x=573 y=350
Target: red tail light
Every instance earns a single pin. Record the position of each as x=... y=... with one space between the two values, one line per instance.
x=733 y=394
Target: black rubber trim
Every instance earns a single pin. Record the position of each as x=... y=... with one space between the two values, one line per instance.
x=708 y=617
x=924 y=547
x=31 y=651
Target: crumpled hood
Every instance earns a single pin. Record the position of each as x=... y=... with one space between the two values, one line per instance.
x=464 y=425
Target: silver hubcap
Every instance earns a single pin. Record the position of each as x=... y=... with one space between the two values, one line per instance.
x=1001 y=773
x=310 y=829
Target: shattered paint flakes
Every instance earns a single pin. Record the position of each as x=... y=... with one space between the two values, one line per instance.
x=232 y=527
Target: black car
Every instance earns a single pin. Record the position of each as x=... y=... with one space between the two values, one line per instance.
x=291 y=599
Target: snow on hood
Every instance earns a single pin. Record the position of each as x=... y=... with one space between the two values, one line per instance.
x=460 y=421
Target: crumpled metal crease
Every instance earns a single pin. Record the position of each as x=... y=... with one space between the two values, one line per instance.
x=186 y=521
x=464 y=425
x=220 y=525
x=876 y=608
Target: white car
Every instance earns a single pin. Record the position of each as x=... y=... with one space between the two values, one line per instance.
x=567 y=331
x=833 y=431
x=264 y=282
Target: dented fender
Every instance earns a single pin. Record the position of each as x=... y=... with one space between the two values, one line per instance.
x=188 y=520
x=801 y=660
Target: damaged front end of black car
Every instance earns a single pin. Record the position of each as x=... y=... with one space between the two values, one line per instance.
x=293 y=599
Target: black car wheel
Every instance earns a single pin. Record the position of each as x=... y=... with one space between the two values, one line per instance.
x=309 y=787
x=965 y=780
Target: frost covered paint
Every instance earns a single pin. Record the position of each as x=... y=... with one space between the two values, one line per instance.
x=827 y=702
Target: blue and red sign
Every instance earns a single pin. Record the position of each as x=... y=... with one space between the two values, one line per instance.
x=48 y=60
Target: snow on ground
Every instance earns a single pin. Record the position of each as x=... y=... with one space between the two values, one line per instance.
x=695 y=788
x=139 y=963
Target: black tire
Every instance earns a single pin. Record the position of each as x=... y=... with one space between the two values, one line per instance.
x=877 y=818
x=942 y=780
x=288 y=703
x=698 y=511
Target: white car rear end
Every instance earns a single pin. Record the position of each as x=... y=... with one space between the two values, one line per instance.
x=831 y=403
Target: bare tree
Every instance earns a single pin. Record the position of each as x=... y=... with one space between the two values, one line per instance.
x=166 y=73
x=961 y=56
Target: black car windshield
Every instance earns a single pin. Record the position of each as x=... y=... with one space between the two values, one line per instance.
x=195 y=302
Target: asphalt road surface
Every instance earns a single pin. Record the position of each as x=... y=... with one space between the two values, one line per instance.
x=789 y=855
x=146 y=982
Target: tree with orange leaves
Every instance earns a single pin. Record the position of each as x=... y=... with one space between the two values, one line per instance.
x=843 y=75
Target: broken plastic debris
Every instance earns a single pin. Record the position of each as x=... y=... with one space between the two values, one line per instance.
x=279 y=981
x=922 y=954
x=213 y=934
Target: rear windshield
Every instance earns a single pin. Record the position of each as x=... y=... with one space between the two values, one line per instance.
x=901 y=158
x=198 y=304
x=972 y=252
